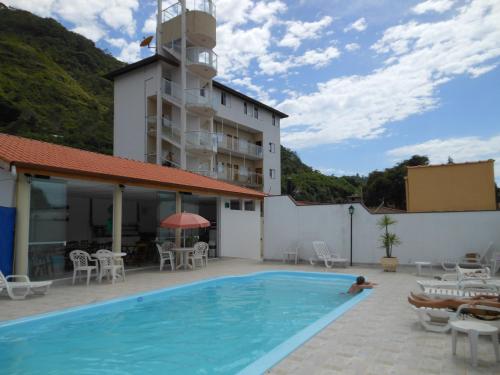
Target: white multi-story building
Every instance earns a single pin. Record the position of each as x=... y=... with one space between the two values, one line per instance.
x=169 y=111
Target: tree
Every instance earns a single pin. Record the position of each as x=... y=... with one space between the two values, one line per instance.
x=388 y=186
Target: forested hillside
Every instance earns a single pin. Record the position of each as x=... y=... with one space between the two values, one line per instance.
x=51 y=83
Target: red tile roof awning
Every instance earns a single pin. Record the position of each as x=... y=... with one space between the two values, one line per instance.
x=47 y=158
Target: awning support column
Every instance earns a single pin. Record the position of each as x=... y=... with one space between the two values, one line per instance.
x=117 y=218
x=178 y=209
x=23 y=196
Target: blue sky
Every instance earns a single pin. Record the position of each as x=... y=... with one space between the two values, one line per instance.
x=366 y=83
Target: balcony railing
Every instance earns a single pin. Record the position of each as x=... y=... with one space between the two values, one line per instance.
x=169 y=130
x=201 y=140
x=203 y=172
x=171 y=89
x=199 y=97
x=201 y=55
x=207 y=6
x=165 y=161
x=241 y=177
x=239 y=145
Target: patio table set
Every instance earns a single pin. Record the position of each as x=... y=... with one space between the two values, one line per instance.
x=104 y=263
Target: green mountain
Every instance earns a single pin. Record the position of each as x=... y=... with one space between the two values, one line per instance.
x=304 y=183
x=51 y=83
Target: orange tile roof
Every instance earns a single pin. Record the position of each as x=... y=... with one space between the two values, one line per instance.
x=48 y=157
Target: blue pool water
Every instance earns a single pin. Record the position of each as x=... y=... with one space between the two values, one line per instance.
x=221 y=326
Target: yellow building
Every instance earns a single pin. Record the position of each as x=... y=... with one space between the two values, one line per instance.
x=451 y=187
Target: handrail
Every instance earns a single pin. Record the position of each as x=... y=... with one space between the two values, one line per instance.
x=207 y=6
x=239 y=145
x=170 y=129
x=202 y=140
x=202 y=55
x=199 y=97
x=171 y=88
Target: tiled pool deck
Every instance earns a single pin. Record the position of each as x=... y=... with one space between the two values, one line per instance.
x=380 y=335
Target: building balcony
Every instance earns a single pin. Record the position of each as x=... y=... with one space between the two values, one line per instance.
x=171 y=90
x=170 y=130
x=202 y=61
x=200 y=22
x=200 y=101
x=245 y=178
x=203 y=172
x=201 y=142
x=239 y=147
x=165 y=160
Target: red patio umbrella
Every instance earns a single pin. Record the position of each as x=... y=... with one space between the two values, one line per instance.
x=184 y=220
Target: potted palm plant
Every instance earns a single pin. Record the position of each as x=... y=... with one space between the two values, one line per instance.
x=387 y=241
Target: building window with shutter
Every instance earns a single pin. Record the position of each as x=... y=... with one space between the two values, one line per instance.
x=245 y=108
x=272 y=173
x=272 y=147
x=256 y=112
x=274 y=119
x=223 y=98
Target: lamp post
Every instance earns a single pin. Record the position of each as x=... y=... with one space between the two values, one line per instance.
x=351 y=212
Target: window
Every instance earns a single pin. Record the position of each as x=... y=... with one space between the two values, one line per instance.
x=272 y=173
x=255 y=111
x=249 y=205
x=235 y=204
x=274 y=119
x=223 y=98
x=245 y=108
x=272 y=147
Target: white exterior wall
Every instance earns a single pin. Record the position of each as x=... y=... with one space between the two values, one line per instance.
x=130 y=93
x=239 y=231
x=425 y=236
x=7 y=188
x=234 y=111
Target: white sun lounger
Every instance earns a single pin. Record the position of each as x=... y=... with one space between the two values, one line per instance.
x=459 y=293
x=438 y=320
x=20 y=289
x=325 y=255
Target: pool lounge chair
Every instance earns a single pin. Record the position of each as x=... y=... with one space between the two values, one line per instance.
x=325 y=255
x=471 y=291
x=438 y=320
x=20 y=289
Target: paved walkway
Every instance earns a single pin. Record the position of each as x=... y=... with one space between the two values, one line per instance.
x=380 y=335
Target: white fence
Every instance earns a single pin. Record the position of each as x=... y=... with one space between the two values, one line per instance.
x=425 y=236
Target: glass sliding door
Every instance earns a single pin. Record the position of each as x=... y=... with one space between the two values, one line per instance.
x=47 y=234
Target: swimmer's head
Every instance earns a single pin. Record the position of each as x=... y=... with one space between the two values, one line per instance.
x=360 y=280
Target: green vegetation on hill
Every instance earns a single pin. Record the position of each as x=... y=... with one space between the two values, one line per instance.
x=304 y=183
x=51 y=83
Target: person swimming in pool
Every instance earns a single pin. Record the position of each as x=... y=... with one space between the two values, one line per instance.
x=359 y=285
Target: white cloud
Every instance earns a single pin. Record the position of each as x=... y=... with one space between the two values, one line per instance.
x=150 y=24
x=117 y=42
x=359 y=107
x=459 y=149
x=272 y=63
x=480 y=70
x=297 y=31
x=262 y=10
x=41 y=7
x=438 y=6
x=131 y=52
x=262 y=94
x=90 y=18
x=358 y=25
x=352 y=47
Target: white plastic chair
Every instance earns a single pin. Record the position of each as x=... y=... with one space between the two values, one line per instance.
x=81 y=263
x=325 y=255
x=292 y=254
x=166 y=254
x=109 y=265
x=199 y=254
x=20 y=289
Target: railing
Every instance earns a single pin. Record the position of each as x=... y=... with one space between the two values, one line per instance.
x=201 y=55
x=203 y=172
x=199 y=97
x=169 y=130
x=151 y=158
x=201 y=140
x=241 y=177
x=239 y=145
x=175 y=10
x=171 y=88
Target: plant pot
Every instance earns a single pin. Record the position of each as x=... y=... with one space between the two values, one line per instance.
x=389 y=264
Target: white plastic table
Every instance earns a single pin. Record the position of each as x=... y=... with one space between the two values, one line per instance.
x=184 y=252
x=419 y=267
x=473 y=330
x=116 y=255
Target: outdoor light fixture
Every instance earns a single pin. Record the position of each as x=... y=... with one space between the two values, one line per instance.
x=351 y=212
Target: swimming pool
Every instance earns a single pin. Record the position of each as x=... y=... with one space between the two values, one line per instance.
x=225 y=325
